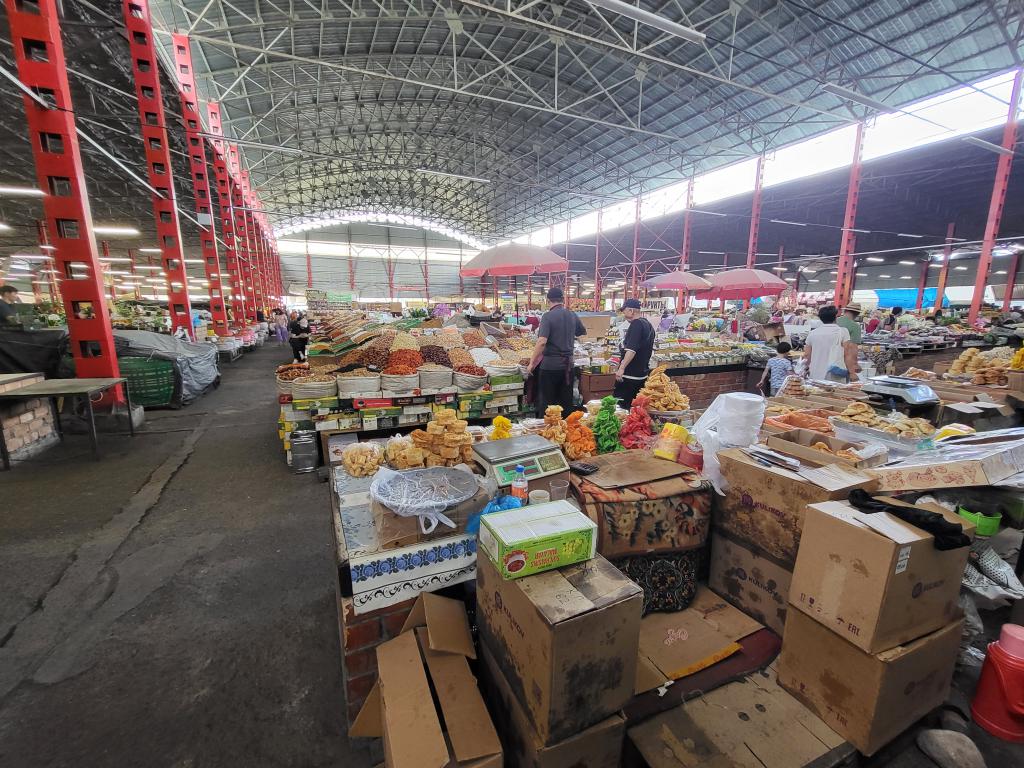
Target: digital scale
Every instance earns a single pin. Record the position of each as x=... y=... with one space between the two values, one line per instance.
x=539 y=456
x=909 y=391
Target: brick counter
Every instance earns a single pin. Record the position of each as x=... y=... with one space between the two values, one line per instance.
x=27 y=424
x=703 y=385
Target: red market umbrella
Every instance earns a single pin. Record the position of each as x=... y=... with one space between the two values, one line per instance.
x=744 y=284
x=677 y=281
x=512 y=260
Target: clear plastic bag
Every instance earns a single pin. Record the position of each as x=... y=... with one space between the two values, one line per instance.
x=424 y=493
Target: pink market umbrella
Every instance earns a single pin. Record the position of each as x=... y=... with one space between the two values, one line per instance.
x=512 y=260
x=677 y=281
x=744 y=284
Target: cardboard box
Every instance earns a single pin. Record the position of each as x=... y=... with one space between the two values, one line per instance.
x=536 y=538
x=874 y=579
x=982 y=459
x=749 y=580
x=567 y=640
x=798 y=442
x=596 y=326
x=764 y=506
x=599 y=746
x=680 y=643
x=432 y=648
x=397 y=531
x=867 y=699
x=750 y=723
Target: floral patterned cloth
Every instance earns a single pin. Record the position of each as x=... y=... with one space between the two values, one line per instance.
x=669 y=581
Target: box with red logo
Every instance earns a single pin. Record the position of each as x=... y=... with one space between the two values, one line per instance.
x=537 y=538
x=873 y=579
x=764 y=506
x=567 y=639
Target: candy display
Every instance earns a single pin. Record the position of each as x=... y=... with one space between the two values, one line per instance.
x=445 y=441
x=406 y=358
x=554 y=425
x=606 y=427
x=362 y=459
x=502 y=428
x=401 y=453
x=636 y=429
x=663 y=393
x=896 y=424
x=579 y=440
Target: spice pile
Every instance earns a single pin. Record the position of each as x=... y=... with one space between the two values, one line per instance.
x=445 y=441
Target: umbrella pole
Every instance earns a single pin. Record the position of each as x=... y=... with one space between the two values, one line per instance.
x=515 y=296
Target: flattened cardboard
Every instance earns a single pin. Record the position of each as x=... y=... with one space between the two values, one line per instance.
x=599 y=746
x=446 y=622
x=755 y=584
x=469 y=728
x=412 y=732
x=568 y=641
x=623 y=468
x=874 y=579
x=681 y=643
x=764 y=506
x=751 y=723
x=868 y=699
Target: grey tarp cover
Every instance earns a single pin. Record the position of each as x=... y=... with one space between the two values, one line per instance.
x=195 y=365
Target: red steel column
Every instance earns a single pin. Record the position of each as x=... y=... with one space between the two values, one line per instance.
x=947 y=251
x=755 y=220
x=227 y=218
x=39 y=56
x=146 y=70
x=636 y=252
x=242 y=247
x=255 y=246
x=844 y=277
x=1011 y=281
x=200 y=180
x=684 y=253
x=51 y=266
x=921 y=285
x=995 y=207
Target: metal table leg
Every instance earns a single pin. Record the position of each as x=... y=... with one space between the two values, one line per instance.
x=128 y=397
x=92 y=427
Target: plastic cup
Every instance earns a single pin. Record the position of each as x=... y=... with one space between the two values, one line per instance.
x=539 y=497
x=559 y=489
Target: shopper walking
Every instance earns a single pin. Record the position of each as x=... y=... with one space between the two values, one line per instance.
x=828 y=351
x=298 y=337
x=635 y=355
x=280 y=326
x=850 y=320
x=552 y=358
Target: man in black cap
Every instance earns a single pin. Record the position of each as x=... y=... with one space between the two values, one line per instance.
x=553 y=356
x=635 y=356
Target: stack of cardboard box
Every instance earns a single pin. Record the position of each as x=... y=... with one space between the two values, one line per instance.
x=874 y=626
x=756 y=532
x=559 y=653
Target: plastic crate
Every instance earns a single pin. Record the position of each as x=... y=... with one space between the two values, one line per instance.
x=150 y=381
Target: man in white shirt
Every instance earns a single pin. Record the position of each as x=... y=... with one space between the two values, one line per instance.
x=829 y=353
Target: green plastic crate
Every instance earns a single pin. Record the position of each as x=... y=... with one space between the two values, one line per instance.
x=150 y=382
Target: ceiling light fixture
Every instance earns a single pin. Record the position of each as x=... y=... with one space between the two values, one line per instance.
x=885 y=277
x=791 y=223
x=453 y=175
x=848 y=93
x=779 y=269
x=1000 y=272
x=908 y=263
x=862 y=274
x=111 y=259
x=126 y=231
x=975 y=141
x=906 y=277
x=5 y=227
x=876 y=259
x=150 y=250
x=42 y=247
x=13 y=191
x=960 y=269
x=905 y=234
x=712 y=253
x=706 y=213
x=651 y=19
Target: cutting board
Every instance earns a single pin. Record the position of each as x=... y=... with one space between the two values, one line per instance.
x=632 y=467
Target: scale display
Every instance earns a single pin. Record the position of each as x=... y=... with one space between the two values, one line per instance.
x=910 y=391
x=535 y=466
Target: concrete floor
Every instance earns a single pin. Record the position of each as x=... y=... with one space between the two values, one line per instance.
x=172 y=605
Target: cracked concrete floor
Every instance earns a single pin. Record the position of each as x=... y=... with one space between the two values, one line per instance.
x=172 y=604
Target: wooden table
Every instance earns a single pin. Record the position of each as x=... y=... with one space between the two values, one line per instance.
x=51 y=389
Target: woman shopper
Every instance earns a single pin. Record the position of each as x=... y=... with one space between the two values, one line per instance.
x=298 y=337
x=280 y=326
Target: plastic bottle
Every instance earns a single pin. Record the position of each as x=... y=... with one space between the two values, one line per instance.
x=519 y=484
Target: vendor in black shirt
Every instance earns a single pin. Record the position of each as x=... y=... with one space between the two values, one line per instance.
x=635 y=355
x=8 y=298
x=553 y=359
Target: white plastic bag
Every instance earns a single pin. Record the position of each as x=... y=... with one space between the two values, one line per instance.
x=430 y=511
x=732 y=421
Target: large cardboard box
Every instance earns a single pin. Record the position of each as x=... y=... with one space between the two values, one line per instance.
x=756 y=584
x=874 y=579
x=868 y=699
x=982 y=459
x=398 y=531
x=568 y=641
x=599 y=746
x=430 y=655
x=764 y=506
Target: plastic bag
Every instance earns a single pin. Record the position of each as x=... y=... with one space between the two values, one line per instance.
x=732 y=421
x=419 y=496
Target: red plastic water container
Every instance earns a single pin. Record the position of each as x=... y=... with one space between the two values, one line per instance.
x=998 y=704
